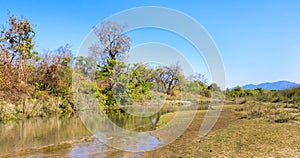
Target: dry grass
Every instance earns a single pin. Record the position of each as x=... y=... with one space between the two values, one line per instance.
x=252 y=138
x=234 y=137
x=273 y=112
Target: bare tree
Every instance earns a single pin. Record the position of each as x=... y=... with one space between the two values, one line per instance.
x=199 y=78
x=113 y=43
x=168 y=77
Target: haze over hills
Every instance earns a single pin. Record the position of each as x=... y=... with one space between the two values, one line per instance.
x=279 y=85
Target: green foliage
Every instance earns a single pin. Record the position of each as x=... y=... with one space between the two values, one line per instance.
x=19 y=39
x=196 y=85
x=118 y=84
x=236 y=92
x=106 y=71
x=124 y=86
x=291 y=96
x=64 y=107
x=105 y=93
x=139 y=87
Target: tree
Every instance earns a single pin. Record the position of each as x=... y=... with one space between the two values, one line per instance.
x=113 y=44
x=196 y=84
x=85 y=66
x=198 y=78
x=17 y=56
x=170 y=77
x=214 y=87
x=158 y=78
x=141 y=79
x=53 y=75
x=108 y=53
x=236 y=92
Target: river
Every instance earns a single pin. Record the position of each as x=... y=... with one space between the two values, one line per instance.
x=69 y=137
x=83 y=135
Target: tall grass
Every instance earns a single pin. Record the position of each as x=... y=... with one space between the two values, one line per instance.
x=274 y=112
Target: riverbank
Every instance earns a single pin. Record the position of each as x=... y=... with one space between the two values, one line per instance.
x=233 y=137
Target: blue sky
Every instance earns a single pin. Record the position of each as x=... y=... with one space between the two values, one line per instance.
x=259 y=41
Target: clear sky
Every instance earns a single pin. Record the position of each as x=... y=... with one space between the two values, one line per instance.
x=259 y=41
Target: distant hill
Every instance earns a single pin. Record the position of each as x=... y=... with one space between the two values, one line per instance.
x=280 y=85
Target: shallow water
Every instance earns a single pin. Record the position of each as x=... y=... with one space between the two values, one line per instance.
x=62 y=136
x=34 y=133
x=84 y=135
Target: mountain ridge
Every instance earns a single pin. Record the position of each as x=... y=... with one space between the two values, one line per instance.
x=279 y=85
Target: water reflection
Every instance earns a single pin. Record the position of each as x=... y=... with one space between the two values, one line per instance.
x=132 y=122
x=35 y=133
x=121 y=130
x=38 y=136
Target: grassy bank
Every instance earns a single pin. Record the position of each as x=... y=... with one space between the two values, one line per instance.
x=235 y=135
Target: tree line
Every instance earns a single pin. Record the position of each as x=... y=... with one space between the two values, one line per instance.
x=40 y=84
x=240 y=95
x=121 y=84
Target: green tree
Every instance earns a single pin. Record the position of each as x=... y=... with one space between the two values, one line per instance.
x=108 y=53
x=238 y=92
x=140 y=83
